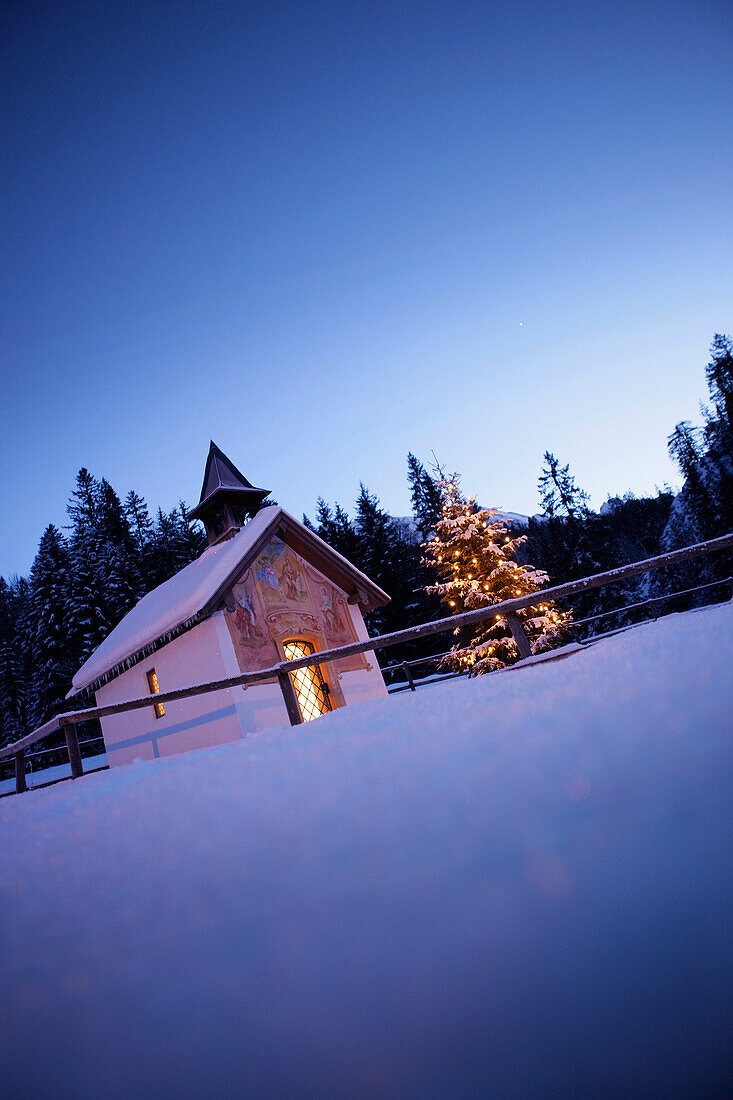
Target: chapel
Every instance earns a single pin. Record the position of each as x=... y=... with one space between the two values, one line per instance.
x=265 y=589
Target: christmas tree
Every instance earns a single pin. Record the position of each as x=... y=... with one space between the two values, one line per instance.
x=473 y=554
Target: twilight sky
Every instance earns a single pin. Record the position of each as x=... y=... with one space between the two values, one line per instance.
x=324 y=234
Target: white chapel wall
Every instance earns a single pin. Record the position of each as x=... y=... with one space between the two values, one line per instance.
x=203 y=720
x=363 y=683
x=207 y=652
x=259 y=706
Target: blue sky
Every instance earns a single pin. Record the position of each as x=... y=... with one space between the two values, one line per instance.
x=324 y=234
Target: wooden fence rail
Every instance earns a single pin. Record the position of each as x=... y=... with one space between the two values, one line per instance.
x=653 y=602
x=280 y=672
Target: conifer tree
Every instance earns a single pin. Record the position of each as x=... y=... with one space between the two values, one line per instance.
x=425 y=495
x=80 y=598
x=112 y=522
x=138 y=518
x=15 y=656
x=83 y=618
x=566 y=541
x=686 y=447
x=82 y=508
x=141 y=530
x=52 y=660
x=78 y=589
x=705 y=458
x=473 y=555
x=559 y=494
x=176 y=542
x=719 y=428
x=335 y=528
x=106 y=582
x=10 y=724
x=164 y=546
x=379 y=553
x=190 y=539
x=703 y=509
x=719 y=374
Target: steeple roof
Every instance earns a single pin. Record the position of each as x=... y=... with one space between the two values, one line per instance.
x=222 y=476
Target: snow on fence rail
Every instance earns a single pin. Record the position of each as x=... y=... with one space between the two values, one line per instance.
x=506 y=610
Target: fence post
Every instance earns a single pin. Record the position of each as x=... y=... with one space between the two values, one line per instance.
x=291 y=699
x=72 y=744
x=525 y=649
x=20 y=783
x=408 y=674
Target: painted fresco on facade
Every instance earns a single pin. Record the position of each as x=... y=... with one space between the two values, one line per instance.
x=279 y=596
x=246 y=619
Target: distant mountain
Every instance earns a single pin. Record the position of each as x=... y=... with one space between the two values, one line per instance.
x=408 y=525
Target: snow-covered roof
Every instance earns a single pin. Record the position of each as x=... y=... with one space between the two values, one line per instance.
x=191 y=595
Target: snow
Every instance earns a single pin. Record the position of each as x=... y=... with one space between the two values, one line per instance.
x=408 y=525
x=175 y=601
x=610 y=506
x=50 y=775
x=516 y=885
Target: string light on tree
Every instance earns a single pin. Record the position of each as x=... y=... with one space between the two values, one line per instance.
x=471 y=554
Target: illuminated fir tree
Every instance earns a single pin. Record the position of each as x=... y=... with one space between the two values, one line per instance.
x=473 y=555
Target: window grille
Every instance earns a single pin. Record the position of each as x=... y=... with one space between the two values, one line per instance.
x=314 y=697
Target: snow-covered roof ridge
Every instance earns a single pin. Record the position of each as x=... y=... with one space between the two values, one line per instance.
x=188 y=597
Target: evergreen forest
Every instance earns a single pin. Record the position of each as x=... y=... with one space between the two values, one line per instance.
x=85 y=578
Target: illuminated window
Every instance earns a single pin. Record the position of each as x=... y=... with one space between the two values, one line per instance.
x=310 y=686
x=154 y=686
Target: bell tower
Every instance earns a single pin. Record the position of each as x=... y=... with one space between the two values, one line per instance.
x=227 y=498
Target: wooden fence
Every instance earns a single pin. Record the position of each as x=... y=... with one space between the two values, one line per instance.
x=506 y=610
x=412 y=682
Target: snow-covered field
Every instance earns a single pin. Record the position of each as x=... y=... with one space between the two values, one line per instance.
x=520 y=885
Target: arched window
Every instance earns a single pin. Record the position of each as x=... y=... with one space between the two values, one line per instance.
x=314 y=697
